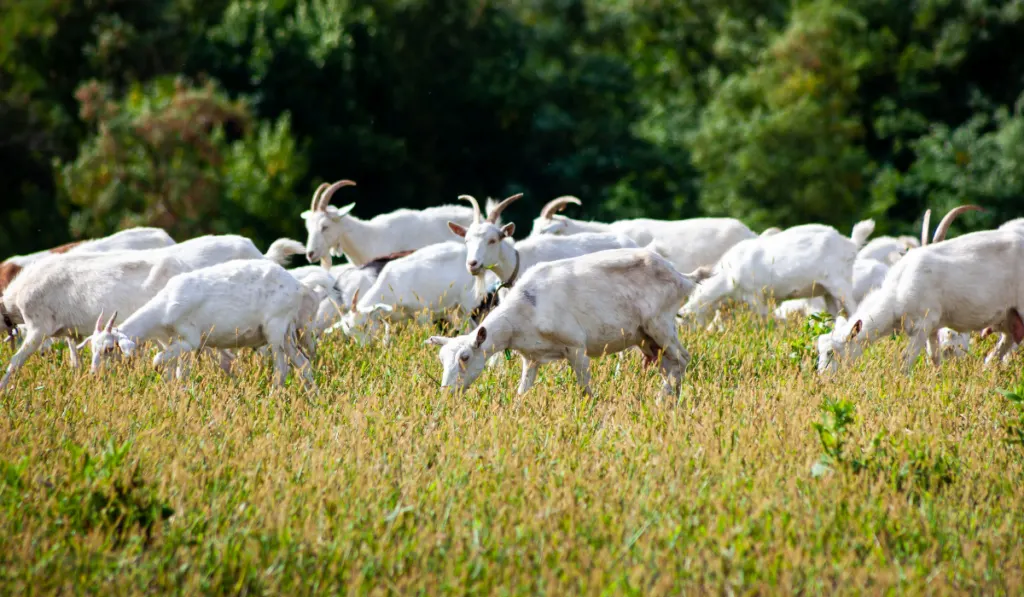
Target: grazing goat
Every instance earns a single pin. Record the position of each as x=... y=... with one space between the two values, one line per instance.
x=799 y=262
x=237 y=304
x=427 y=283
x=490 y=247
x=63 y=294
x=968 y=283
x=575 y=309
x=687 y=244
x=334 y=230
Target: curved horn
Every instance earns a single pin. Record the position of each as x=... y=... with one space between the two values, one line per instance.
x=316 y=195
x=557 y=205
x=325 y=198
x=940 y=232
x=99 y=322
x=493 y=216
x=926 y=223
x=110 y=322
x=476 y=207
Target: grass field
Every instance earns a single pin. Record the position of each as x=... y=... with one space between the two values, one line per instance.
x=764 y=478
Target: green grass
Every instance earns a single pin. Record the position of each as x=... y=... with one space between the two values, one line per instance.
x=764 y=478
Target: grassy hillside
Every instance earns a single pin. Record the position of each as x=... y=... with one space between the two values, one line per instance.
x=763 y=476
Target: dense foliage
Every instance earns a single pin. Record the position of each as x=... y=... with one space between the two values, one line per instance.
x=225 y=114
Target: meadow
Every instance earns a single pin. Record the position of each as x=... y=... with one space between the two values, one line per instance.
x=763 y=478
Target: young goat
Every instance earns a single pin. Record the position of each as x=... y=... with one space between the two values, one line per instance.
x=575 y=309
x=237 y=304
x=799 y=262
x=968 y=283
x=490 y=247
x=333 y=230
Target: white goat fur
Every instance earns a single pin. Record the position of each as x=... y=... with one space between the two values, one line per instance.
x=799 y=262
x=575 y=309
x=430 y=282
x=333 y=230
x=888 y=249
x=687 y=244
x=133 y=238
x=238 y=304
x=968 y=283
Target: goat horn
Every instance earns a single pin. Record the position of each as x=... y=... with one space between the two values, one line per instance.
x=316 y=195
x=110 y=322
x=940 y=232
x=925 y=225
x=557 y=205
x=476 y=207
x=493 y=216
x=99 y=322
x=325 y=198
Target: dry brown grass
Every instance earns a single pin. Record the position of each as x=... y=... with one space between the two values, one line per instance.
x=382 y=484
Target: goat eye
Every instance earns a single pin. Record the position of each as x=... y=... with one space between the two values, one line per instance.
x=491 y=242
x=323 y=228
x=464 y=356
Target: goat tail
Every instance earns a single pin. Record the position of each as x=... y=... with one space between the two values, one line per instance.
x=282 y=249
x=861 y=231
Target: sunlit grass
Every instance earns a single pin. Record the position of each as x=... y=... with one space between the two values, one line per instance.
x=763 y=478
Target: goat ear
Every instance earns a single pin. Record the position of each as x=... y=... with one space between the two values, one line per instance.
x=306 y=215
x=508 y=229
x=341 y=212
x=84 y=343
x=855 y=329
x=458 y=230
x=110 y=322
x=99 y=323
x=437 y=341
x=481 y=335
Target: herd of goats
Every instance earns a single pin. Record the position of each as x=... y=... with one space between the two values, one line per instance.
x=571 y=290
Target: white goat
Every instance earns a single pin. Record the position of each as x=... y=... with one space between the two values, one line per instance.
x=575 y=309
x=430 y=282
x=969 y=283
x=334 y=230
x=799 y=262
x=63 y=294
x=490 y=247
x=238 y=304
x=687 y=244
x=869 y=275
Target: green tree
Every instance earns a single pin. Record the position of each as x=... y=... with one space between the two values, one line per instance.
x=781 y=143
x=187 y=159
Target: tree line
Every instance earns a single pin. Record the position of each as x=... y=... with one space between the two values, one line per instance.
x=224 y=115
